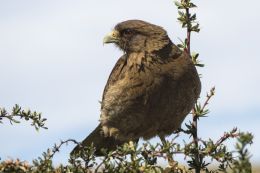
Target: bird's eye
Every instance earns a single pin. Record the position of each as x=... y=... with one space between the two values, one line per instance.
x=127 y=32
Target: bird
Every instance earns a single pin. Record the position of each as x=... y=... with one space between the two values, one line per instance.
x=151 y=89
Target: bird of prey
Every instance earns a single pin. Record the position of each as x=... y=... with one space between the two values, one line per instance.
x=151 y=89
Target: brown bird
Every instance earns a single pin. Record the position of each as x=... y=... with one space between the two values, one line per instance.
x=149 y=92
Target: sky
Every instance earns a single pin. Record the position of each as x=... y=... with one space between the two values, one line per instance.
x=53 y=61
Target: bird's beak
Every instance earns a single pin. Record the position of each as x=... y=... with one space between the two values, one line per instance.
x=112 y=37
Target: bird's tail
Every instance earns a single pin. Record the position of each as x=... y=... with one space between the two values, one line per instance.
x=99 y=141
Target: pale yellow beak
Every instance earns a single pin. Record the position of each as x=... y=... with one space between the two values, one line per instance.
x=112 y=37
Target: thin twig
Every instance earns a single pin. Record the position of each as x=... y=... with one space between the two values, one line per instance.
x=209 y=96
x=226 y=136
x=188 y=30
x=56 y=148
x=194 y=116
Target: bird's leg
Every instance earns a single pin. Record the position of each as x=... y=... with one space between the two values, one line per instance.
x=133 y=142
x=162 y=138
x=170 y=159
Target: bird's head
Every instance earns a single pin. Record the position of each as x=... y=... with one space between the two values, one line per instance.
x=138 y=36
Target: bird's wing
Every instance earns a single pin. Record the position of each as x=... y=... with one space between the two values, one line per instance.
x=141 y=93
x=129 y=94
x=114 y=75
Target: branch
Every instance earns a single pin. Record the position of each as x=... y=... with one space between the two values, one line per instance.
x=188 y=30
x=188 y=21
x=209 y=96
x=18 y=113
x=226 y=136
x=56 y=148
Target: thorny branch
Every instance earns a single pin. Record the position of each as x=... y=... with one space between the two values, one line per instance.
x=18 y=113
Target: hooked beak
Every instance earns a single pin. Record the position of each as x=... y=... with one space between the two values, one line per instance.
x=112 y=37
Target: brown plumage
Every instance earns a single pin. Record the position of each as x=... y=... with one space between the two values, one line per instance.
x=151 y=89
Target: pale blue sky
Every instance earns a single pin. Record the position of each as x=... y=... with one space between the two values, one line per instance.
x=53 y=61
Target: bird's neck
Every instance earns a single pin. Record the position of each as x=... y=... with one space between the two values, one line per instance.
x=168 y=51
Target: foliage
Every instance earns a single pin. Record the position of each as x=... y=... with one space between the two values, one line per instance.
x=199 y=154
x=242 y=164
x=28 y=115
x=131 y=158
